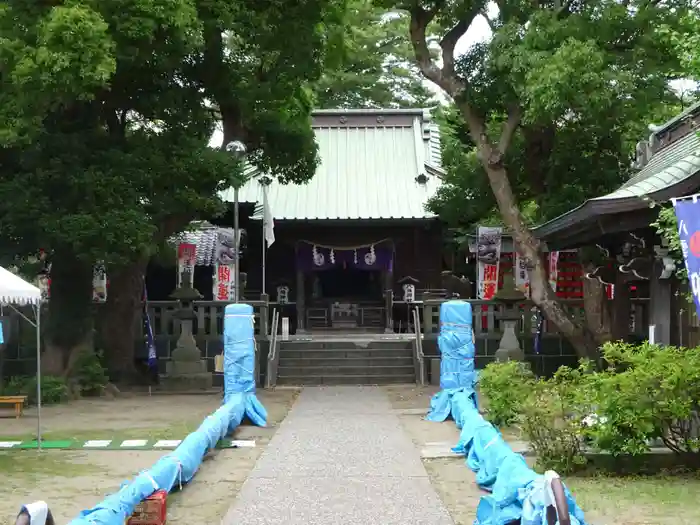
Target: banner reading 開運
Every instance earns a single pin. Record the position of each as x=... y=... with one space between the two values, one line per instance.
x=488 y=255
x=688 y=216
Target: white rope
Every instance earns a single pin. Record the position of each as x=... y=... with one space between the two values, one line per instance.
x=495 y=438
x=153 y=481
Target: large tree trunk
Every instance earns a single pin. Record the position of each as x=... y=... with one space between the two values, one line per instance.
x=530 y=249
x=69 y=326
x=118 y=327
x=492 y=158
x=596 y=307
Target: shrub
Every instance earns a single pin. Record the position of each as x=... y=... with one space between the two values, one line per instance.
x=505 y=386
x=648 y=392
x=550 y=419
x=90 y=374
x=53 y=389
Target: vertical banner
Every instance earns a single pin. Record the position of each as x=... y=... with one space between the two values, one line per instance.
x=99 y=284
x=224 y=257
x=553 y=270
x=186 y=259
x=150 y=340
x=522 y=277
x=223 y=282
x=688 y=216
x=488 y=253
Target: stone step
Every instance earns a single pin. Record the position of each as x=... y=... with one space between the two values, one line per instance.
x=339 y=353
x=342 y=379
x=345 y=361
x=345 y=370
x=341 y=344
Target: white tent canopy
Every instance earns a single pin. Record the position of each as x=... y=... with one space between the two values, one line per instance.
x=15 y=290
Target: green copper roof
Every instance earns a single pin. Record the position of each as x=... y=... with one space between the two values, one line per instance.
x=668 y=174
x=369 y=164
x=670 y=166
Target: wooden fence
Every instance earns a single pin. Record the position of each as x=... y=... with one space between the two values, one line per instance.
x=20 y=348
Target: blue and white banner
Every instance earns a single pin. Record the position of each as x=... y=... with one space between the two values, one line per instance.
x=688 y=216
x=148 y=328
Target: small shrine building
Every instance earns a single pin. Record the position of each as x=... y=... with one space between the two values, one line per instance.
x=358 y=228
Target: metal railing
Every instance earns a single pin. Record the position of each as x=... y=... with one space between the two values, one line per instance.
x=272 y=357
x=419 y=356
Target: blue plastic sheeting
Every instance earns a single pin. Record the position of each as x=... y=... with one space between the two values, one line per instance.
x=177 y=468
x=516 y=491
x=456 y=344
x=170 y=471
x=239 y=359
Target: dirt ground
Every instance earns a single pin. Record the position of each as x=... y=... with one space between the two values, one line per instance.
x=70 y=481
x=652 y=500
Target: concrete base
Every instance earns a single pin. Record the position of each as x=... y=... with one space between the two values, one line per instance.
x=509 y=354
x=177 y=368
x=187 y=375
x=187 y=382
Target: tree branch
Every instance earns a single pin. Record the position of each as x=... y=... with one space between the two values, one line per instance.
x=515 y=115
x=420 y=18
x=448 y=43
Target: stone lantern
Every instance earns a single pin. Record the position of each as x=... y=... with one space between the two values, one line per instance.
x=509 y=347
x=186 y=369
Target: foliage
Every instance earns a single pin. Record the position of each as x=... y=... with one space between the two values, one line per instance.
x=536 y=97
x=594 y=152
x=666 y=227
x=505 y=386
x=648 y=392
x=106 y=112
x=90 y=374
x=53 y=389
x=551 y=421
x=374 y=67
x=107 y=137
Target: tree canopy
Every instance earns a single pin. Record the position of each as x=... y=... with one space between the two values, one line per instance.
x=106 y=111
x=548 y=76
x=374 y=66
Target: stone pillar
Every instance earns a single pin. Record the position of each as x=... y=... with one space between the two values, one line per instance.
x=509 y=347
x=186 y=369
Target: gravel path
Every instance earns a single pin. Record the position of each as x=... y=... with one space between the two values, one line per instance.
x=340 y=457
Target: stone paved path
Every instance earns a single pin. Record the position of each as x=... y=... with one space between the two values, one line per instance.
x=340 y=457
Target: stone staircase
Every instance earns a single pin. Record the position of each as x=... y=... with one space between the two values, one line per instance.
x=345 y=362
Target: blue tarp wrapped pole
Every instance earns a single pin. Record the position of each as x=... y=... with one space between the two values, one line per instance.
x=239 y=359
x=177 y=468
x=457 y=372
x=517 y=492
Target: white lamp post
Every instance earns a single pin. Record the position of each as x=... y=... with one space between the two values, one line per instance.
x=238 y=151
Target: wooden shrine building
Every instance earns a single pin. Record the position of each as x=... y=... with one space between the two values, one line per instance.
x=348 y=238
x=631 y=255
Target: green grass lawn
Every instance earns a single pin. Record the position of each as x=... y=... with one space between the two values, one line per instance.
x=648 y=500
x=179 y=430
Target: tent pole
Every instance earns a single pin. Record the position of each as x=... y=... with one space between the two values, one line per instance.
x=38 y=374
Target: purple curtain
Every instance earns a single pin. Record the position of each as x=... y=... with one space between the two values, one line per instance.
x=375 y=257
